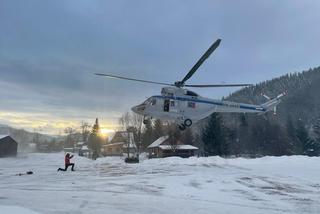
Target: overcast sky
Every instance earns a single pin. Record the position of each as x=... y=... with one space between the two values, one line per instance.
x=49 y=51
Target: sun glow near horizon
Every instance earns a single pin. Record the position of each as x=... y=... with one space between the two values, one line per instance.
x=46 y=123
x=106 y=131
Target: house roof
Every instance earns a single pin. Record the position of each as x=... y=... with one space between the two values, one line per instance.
x=121 y=136
x=3 y=136
x=124 y=144
x=114 y=144
x=84 y=148
x=158 y=142
x=179 y=147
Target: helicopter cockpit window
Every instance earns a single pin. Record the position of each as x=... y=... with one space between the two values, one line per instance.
x=147 y=102
x=153 y=101
x=191 y=93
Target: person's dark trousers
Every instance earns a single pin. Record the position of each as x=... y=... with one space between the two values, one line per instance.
x=66 y=167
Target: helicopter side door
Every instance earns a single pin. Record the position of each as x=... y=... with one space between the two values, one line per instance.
x=166 y=105
x=173 y=106
x=170 y=105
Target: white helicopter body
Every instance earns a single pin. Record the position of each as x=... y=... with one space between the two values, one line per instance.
x=185 y=107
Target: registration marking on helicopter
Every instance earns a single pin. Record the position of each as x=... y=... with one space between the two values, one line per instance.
x=213 y=102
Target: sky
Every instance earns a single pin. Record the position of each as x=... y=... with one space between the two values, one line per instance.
x=49 y=51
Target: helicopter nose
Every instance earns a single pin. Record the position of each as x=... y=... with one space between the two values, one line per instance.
x=138 y=109
x=134 y=109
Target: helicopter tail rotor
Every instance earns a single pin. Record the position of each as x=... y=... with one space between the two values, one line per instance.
x=271 y=104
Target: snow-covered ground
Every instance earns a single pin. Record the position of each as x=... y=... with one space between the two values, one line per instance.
x=172 y=185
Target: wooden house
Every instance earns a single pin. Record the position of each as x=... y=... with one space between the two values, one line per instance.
x=163 y=147
x=8 y=146
x=118 y=145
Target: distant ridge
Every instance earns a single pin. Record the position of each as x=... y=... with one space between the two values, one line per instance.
x=22 y=136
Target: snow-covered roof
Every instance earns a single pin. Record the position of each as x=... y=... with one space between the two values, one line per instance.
x=114 y=144
x=85 y=148
x=158 y=142
x=3 y=136
x=124 y=144
x=178 y=147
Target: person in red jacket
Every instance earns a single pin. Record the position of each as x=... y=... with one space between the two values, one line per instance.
x=67 y=163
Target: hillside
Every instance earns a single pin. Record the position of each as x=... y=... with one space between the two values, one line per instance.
x=295 y=129
x=22 y=136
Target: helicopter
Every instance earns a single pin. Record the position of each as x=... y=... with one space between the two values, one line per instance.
x=185 y=107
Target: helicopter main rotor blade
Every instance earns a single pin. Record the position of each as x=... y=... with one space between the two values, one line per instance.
x=218 y=85
x=200 y=61
x=132 y=79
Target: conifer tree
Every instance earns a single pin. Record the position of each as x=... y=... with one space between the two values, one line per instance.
x=147 y=135
x=213 y=136
x=187 y=137
x=158 y=129
x=309 y=146
x=316 y=130
x=95 y=140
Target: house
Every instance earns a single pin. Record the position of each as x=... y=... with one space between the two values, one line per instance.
x=78 y=146
x=85 y=151
x=163 y=148
x=8 y=146
x=119 y=144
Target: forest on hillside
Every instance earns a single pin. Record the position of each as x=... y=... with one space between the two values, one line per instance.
x=295 y=129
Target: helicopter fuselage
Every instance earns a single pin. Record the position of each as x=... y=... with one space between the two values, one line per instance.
x=178 y=105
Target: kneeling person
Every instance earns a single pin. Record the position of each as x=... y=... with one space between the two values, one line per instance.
x=67 y=163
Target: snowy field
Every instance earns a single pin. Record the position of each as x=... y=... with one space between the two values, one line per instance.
x=172 y=185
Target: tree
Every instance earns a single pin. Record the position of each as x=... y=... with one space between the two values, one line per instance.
x=158 y=129
x=309 y=146
x=213 y=136
x=316 y=129
x=125 y=120
x=69 y=141
x=136 y=123
x=147 y=135
x=174 y=136
x=95 y=140
x=132 y=123
x=187 y=137
x=85 y=131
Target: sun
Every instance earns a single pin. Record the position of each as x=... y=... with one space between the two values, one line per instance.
x=106 y=131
